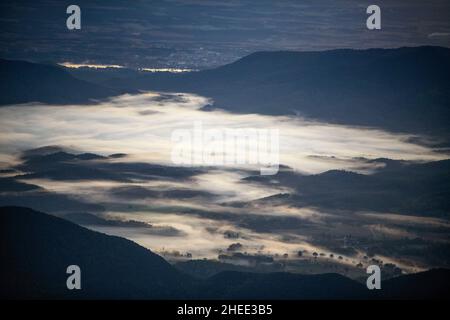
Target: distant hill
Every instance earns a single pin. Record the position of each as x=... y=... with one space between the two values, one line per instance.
x=399 y=187
x=405 y=89
x=36 y=248
x=24 y=82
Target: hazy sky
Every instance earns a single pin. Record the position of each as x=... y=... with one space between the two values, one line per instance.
x=193 y=33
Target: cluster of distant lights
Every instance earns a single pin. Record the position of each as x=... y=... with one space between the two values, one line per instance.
x=115 y=66
x=174 y=70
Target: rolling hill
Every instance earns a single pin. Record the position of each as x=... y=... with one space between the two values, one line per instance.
x=24 y=82
x=404 y=89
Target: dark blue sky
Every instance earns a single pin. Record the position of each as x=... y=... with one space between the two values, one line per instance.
x=196 y=34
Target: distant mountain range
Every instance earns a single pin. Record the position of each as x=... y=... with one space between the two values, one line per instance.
x=404 y=89
x=36 y=248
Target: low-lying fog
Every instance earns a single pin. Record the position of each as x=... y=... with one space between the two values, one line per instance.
x=206 y=223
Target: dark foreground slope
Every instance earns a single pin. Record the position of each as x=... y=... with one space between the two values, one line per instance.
x=240 y=285
x=23 y=82
x=433 y=284
x=36 y=248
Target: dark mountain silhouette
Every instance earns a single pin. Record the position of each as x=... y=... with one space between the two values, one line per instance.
x=241 y=285
x=24 y=82
x=405 y=89
x=36 y=248
x=92 y=220
x=14 y=192
x=12 y=185
x=207 y=268
x=61 y=165
x=402 y=187
x=88 y=219
x=424 y=285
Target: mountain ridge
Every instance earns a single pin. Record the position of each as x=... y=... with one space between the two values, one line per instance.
x=36 y=249
x=402 y=90
x=26 y=82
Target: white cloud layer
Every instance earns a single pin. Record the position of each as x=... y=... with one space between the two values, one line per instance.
x=141 y=125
